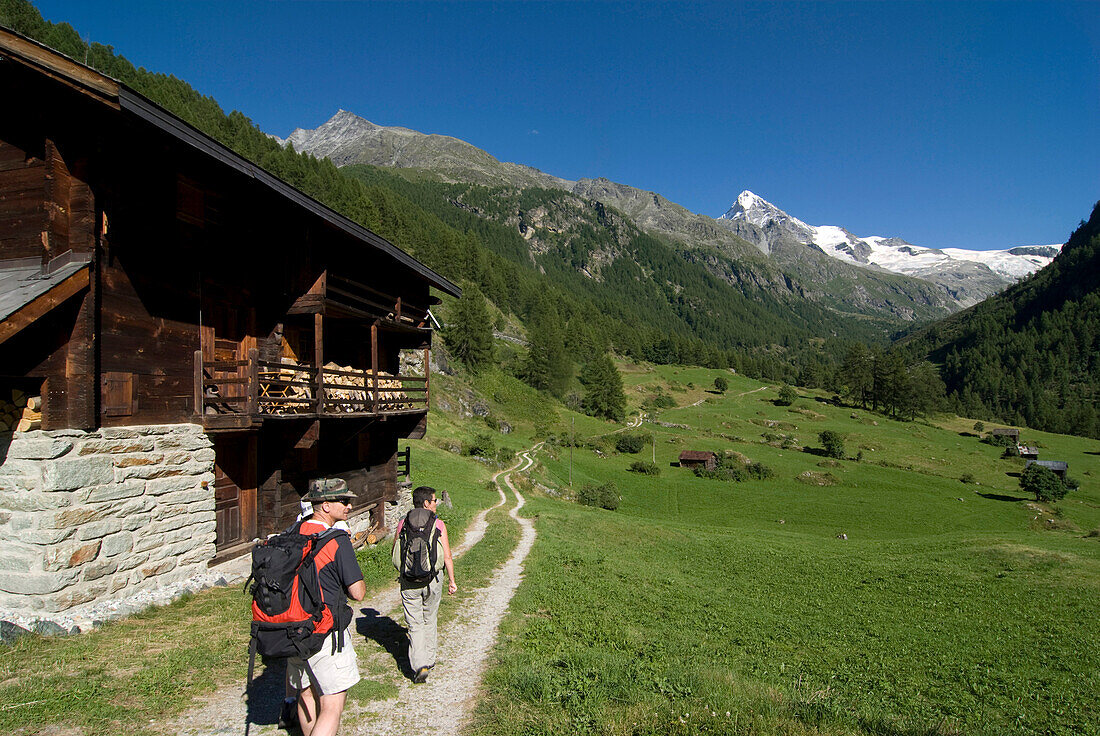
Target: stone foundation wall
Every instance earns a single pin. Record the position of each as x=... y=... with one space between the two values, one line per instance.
x=395 y=512
x=92 y=516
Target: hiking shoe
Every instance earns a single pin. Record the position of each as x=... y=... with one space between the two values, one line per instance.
x=288 y=717
x=421 y=675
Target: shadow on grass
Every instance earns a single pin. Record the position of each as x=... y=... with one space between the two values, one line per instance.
x=967 y=434
x=389 y=634
x=1014 y=474
x=1090 y=452
x=1001 y=497
x=820 y=714
x=820 y=452
x=265 y=695
x=879 y=726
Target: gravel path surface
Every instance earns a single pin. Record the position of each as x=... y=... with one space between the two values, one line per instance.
x=439 y=706
x=442 y=705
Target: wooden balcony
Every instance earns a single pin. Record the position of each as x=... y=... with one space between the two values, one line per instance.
x=239 y=394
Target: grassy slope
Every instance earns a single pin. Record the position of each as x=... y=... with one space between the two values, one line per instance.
x=935 y=616
x=945 y=611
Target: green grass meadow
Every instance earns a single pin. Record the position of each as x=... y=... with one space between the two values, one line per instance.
x=699 y=606
x=951 y=607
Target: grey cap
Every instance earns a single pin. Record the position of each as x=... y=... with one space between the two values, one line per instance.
x=328 y=489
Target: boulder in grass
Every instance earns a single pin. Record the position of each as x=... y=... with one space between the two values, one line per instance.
x=10 y=633
x=812 y=478
x=48 y=628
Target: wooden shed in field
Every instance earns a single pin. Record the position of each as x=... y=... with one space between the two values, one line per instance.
x=203 y=336
x=698 y=459
x=1007 y=432
x=1058 y=467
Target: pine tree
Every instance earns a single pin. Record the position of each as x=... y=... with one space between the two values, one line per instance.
x=547 y=367
x=603 y=389
x=468 y=333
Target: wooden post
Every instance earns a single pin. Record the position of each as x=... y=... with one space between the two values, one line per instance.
x=199 y=388
x=253 y=382
x=397 y=311
x=319 y=356
x=374 y=366
x=427 y=373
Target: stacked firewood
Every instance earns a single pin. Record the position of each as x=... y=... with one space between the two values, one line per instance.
x=354 y=394
x=20 y=413
x=275 y=388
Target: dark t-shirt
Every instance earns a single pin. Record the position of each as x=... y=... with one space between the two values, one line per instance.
x=341 y=571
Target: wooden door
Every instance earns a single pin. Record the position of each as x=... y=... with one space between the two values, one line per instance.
x=226 y=339
x=234 y=490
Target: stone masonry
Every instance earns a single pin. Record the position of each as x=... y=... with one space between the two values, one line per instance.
x=92 y=516
x=396 y=511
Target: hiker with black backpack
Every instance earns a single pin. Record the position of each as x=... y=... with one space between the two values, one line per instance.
x=303 y=578
x=421 y=551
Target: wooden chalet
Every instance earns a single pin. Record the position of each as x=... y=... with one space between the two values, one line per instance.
x=698 y=459
x=154 y=277
x=1007 y=432
x=1058 y=467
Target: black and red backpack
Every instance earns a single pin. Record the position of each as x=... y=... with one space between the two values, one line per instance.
x=289 y=615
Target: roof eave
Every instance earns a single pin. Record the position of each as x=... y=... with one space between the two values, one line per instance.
x=117 y=95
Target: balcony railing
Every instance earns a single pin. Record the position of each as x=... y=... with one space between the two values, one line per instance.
x=254 y=389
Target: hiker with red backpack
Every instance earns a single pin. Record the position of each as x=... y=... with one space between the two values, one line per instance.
x=421 y=550
x=303 y=578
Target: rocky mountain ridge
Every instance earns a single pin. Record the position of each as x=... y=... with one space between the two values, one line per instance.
x=828 y=264
x=347 y=139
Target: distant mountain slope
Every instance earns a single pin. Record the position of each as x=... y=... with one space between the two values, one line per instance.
x=968 y=276
x=588 y=248
x=789 y=268
x=1030 y=355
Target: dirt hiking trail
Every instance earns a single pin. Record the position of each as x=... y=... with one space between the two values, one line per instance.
x=442 y=704
x=439 y=706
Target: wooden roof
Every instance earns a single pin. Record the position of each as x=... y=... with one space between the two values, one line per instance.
x=116 y=95
x=29 y=290
x=1050 y=464
x=702 y=455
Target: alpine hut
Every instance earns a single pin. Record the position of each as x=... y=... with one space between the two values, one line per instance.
x=186 y=339
x=698 y=459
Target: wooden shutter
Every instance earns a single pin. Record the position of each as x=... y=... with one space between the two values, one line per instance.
x=118 y=394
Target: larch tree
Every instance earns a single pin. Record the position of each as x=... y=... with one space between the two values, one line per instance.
x=603 y=389
x=469 y=333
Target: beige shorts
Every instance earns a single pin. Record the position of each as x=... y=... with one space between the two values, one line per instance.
x=326 y=672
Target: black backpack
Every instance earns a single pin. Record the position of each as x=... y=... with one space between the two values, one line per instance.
x=289 y=615
x=418 y=546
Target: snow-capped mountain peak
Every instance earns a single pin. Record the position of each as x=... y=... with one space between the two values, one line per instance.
x=759 y=211
x=947 y=265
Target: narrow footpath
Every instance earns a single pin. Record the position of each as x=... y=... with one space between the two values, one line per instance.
x=443 y=703
x=439 y=706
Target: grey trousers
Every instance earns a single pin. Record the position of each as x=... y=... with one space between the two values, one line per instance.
x=421 y=606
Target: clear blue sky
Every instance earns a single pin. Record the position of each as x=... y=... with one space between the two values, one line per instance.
x=950 y=125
